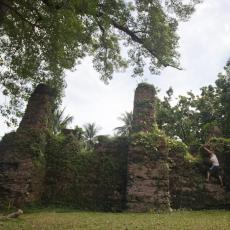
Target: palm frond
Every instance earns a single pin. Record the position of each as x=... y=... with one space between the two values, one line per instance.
x=127 y=119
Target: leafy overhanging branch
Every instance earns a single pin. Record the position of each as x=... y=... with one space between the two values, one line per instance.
x=51 y=36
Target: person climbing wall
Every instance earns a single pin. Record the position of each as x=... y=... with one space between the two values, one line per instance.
x=215 y=168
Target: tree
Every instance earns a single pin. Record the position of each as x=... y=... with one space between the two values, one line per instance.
x=197 y=118
x=208 y=107
x=165 y=113
x=179 y=120
x=90 y=131
x=78 y=133
x=59 y=121
x=223 y=89
x=186 y=114
x=127 y=119
x=39 y=39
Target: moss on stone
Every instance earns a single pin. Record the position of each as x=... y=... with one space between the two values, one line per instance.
x=147 y=87
x=149 y=140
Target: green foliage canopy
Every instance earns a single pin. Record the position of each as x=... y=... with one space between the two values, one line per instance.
x=40 y=39
x=196 y=118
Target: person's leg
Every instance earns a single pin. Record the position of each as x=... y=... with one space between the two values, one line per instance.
x=221 y=181
x=208 y=176
x=220 y=177
x=209 y=172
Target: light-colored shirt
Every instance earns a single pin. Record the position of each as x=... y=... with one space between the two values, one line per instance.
x=214 y=160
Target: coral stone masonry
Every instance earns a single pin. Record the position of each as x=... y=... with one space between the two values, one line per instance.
x=148 y=174
x=22 y=153
x=144 y=110
x=146 y=171
x=39 y=109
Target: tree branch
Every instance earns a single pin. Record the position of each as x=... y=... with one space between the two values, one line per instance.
x=103 y=38
x=20 y=15
x=139 y=40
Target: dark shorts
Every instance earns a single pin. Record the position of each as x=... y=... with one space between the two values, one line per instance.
x=215 y=170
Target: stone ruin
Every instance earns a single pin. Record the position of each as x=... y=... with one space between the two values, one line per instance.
x=144 y=108
x=21 y=155
x=148 y=174
x=155 y=177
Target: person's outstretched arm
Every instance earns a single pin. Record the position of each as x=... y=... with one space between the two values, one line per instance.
x=208 y=150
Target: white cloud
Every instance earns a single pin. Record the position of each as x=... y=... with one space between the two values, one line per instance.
x=90 y=100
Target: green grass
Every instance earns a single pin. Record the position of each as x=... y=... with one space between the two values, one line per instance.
x=62 y=220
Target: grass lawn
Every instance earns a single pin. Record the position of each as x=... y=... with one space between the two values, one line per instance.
x=61 y=220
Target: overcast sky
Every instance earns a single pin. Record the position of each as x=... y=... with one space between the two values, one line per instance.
x=204 y=48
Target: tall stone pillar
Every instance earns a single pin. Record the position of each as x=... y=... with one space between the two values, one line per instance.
x=144 y=109
x=148 y=173
x=22 y=157
x=38 y=114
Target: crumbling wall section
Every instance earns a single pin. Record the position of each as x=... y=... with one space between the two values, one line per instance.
x=148 y=178
x=144 y=108
x=148 y=173
x=188 y=188
x=22 y=160
x=145 y=172
x=38 y=114
x=94 y=180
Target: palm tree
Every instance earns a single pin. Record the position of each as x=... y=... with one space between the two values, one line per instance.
x=127 y=119
x=90 y=131
x=60 y=121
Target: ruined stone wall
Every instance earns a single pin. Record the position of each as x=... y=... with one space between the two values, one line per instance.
x=145 y=172
x=148 y=175
x=22 y=158
x=148 y=178
x=221 y=147
x=188 y=188
x=115 y=153
x=93 y=180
